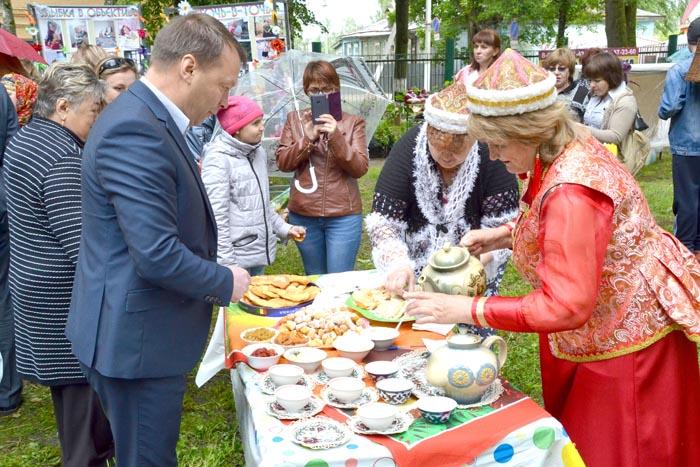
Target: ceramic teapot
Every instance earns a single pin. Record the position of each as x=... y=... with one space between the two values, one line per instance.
x=452 y=270
x=465 y=367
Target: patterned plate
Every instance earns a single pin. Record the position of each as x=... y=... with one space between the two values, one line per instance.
x=314 y=406
x=400 y=424
x=494 y=391
x=319 y=433
x=368 y=395
x=322 y=378
x=412 y=366
x=265 y=383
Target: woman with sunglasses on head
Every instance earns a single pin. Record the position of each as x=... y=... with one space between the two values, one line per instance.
x=562 y=62
x=487 y=48
x=118 y=73
x=327 y=158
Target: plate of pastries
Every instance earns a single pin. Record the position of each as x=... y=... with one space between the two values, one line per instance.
x=318 y=327
x=278 y=295
x=378 y=304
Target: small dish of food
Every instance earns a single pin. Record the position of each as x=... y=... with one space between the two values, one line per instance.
x=353 y=346
x=309 y=358
x=257 y=335
x=262 y=356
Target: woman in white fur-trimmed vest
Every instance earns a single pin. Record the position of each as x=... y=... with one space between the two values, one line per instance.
x=436 y=185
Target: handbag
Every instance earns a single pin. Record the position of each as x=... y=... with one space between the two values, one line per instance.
x=634 y=151
x=639 y=123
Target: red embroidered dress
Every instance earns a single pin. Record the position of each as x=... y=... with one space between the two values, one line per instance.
x=611 y=286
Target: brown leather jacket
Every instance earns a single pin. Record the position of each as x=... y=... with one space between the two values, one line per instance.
x=338 y=163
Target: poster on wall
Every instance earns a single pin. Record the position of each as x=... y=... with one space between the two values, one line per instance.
x=261 y=29
x=62 y=29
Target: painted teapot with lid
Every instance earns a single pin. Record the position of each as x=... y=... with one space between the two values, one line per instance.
x=465 y=367
x=454 y=271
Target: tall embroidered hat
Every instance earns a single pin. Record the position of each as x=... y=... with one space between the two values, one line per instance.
x=447 y=110
x=512 y=85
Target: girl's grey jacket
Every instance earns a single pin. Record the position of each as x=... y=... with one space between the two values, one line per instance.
x=235 y=176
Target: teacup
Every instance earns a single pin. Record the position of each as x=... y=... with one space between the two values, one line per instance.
x=285 y=374
x=336 y=367
x=293 y=397
x=381 y=369
x=395 y=390
x=346 y=389
x=377 y=415
x=436 y=409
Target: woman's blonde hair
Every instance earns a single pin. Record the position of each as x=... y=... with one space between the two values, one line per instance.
x=549 y=129
x=69 y=81
x=90 y=55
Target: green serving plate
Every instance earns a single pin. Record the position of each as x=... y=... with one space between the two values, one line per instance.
x=369 y=314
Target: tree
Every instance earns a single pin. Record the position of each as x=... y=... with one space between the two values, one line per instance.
x=540 y=21
x=401 y=44
x=621 y=23
x=156 y=12
x=672 y=11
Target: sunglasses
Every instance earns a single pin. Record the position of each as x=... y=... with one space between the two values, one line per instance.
x=114 y=63
x=559 y=68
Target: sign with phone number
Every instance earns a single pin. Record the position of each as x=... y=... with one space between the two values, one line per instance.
x=626 y=52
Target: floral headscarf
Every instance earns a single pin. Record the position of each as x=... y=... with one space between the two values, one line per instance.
x=25 y=92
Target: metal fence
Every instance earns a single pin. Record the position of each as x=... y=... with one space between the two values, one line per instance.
x=383 y=67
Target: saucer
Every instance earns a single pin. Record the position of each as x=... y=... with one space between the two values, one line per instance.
x=265 y=383
x=400 y=424
x=314 y=406
x=368 y=395
x=319 y=433
x=412 y=366
x=322 y=378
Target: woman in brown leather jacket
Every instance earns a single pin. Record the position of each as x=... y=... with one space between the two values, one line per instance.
x=337 y=152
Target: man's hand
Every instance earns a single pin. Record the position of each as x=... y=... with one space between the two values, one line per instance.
x=241 y=280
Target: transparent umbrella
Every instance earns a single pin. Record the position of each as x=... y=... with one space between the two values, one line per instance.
x=278 y=88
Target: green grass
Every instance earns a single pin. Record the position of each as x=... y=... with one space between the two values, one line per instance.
x=209 y=431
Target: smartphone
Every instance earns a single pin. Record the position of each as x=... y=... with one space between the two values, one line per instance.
x=319 y=106
x=334 y=106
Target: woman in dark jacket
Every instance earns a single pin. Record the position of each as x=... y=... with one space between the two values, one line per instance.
x=331 y=155
x=42 y=177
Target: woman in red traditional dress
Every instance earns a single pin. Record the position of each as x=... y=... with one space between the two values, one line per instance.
x=616 y=299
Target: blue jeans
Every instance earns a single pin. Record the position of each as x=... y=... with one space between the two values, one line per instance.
x=331 y=243
x=255 y=270
x=686 y=200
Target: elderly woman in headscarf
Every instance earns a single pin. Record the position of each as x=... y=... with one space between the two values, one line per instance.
x=616 y=298
x=437 y=184
x=23 y=92
x=42 y=179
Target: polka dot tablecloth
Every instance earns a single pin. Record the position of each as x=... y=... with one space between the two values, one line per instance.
x=266 y=440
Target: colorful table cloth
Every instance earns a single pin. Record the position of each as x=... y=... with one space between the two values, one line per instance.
x=512 y=431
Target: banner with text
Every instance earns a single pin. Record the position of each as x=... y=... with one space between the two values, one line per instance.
x=63 y=28
x=260 y=27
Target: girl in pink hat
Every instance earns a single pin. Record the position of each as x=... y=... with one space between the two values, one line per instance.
x=234 y=171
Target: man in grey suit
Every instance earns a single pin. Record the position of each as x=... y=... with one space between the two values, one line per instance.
x=147 y=276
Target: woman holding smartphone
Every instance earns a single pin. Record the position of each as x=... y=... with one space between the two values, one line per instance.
x=327 y=158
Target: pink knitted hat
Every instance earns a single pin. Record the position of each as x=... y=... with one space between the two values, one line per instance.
x=239 y=112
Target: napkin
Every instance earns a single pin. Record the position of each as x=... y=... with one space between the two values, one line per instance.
x=215 y=356
x=443 y=329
